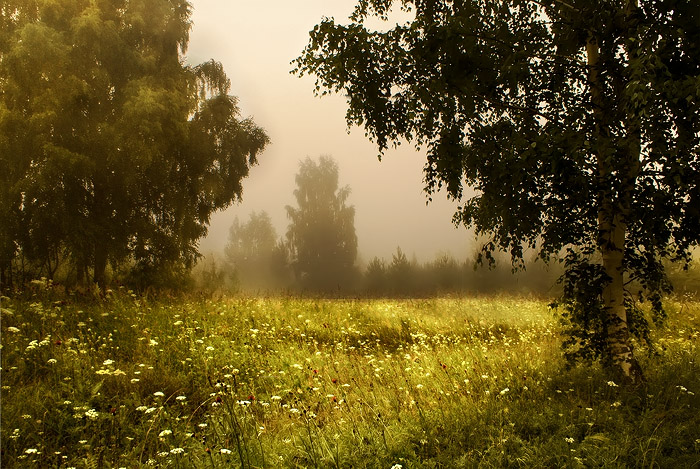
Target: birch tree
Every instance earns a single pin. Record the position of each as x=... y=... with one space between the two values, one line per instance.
x=112 y=147
x=567 y=127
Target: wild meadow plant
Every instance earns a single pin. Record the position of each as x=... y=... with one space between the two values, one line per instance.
x=124 y=381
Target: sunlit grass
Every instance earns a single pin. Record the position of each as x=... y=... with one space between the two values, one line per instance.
x=287 y=382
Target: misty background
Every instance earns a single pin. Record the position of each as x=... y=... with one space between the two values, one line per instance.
x=255 y=42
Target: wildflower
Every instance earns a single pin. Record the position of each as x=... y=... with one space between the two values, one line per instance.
x=616 y=404
x=397 y=466
x=225 y=451
x=12 y=329
x=31 y=451
x=52 y=361
x=107 y=362
x=569 y=440
x=177 y=323
x=177 y=451
x=158 y=394
x=165 y=433
x=118 y=372
x=504 y=391
x=181 y=398
x=612 y=384
x=150 y=410
x=134 y=380
x=92 y=414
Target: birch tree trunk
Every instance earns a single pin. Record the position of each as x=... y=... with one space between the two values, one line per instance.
x=612 y=226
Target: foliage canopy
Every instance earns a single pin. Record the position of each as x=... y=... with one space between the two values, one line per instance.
x=112 y=147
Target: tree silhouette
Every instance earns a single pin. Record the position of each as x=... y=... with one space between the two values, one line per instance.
x=321 y=233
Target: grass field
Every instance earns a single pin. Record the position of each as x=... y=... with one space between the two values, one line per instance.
x=288 y=382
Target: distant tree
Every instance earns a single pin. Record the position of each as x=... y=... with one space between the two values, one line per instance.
x=111 y=147
x=253 y=252
x=577 y=123
x=445 y=273
x=321 y=233
x=402 y=274
x=209 y=275
x=376 y=276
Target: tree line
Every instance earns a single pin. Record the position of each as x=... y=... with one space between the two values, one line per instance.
x=318 y=253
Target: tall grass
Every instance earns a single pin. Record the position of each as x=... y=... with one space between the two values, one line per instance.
x=286 y=382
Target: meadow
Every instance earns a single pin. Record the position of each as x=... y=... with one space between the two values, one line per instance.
x=127 y=381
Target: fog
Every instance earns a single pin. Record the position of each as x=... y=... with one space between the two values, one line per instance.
x=256 y=41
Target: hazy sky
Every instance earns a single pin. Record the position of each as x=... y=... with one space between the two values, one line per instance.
x=256 y=41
